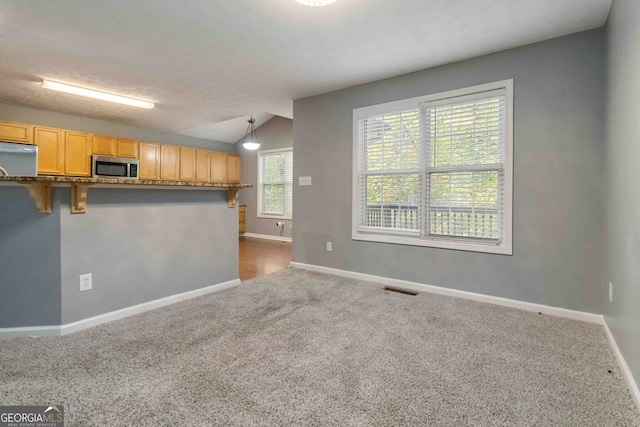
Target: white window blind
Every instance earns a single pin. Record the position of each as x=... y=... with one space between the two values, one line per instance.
x=390 y=171
x=275 y=192
x=465 y=142
x=436 y=170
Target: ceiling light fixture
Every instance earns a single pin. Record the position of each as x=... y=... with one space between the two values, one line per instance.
x=316 y=3
x=77 y=90
x=250 y=141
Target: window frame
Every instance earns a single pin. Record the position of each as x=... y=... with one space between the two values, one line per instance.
x=403 y=238
x=260 y=190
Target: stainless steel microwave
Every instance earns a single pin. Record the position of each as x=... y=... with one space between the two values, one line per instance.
x=115 y=167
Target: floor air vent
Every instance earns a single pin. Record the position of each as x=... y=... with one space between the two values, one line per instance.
x=400 y=290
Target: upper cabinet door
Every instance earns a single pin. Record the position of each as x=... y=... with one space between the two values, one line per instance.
x=169 y=162
x=77 y=157
x=127 y=148
x=187 y=164
x=233 y=168
x=149 y=160
x=104 y=145
x=218 y=166
x=203 y=162
x=15 y=132
x=50 y=144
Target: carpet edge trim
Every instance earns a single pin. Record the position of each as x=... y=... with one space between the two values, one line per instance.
x=506 y=302
x=57 y=330
x=622 y=363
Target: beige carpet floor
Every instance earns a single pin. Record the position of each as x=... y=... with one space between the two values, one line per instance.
x=300 y=348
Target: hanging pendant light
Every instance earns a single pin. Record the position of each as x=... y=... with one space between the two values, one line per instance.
x=250 y=141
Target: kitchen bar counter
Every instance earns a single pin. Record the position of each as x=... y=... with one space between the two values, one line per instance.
x=40 y=188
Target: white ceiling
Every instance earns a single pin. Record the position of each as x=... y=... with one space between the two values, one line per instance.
x=209 y=64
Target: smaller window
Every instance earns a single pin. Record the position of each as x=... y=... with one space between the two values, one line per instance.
x=275 y=186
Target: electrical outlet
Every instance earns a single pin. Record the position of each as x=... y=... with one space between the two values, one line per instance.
x=86 y=282
x=329 y=246
x=279 y=223
x=304 y=180
x=610 y=292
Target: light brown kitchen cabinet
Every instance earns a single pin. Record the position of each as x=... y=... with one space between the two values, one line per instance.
x=104 y=145
x=218 y=166
x=16 y=132
x=68 y=152
x=127 y=148
x=169 y=162
x=50 y=144
x=187 y=164
x=149 y=160
x=233 y=168
x=77 y=153
x=203 y=165
x=242 y=218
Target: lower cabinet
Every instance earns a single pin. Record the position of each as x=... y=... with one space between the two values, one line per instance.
x=242 y=218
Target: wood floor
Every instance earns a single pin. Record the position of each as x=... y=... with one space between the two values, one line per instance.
x=259 y=257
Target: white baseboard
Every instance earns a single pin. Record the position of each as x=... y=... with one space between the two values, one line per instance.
x=268 y=237
x=506 y=302
x=47 y=331
x=626 y=372
x=30 y=331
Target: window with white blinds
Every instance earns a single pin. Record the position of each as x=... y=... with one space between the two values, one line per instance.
x=275 y=186
x=390 y=164
x=436 y=170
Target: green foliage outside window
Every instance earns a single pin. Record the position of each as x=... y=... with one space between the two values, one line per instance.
x=461 y=201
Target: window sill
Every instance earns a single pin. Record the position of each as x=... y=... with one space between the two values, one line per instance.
x=283 y=217
x=433 y=243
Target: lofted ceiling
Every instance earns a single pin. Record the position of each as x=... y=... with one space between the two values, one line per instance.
x=209 y=64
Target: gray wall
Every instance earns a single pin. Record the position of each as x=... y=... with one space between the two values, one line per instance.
x=139 y=244
x=276 y=133
x=29 y=260
x=622 y=267
x=558 y=178
x=142 y=245
x=65 y=121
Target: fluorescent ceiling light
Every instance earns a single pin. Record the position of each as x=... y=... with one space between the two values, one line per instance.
x=316 y=3
x=76 y=90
